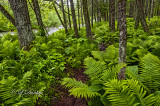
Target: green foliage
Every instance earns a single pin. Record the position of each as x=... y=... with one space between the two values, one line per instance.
x=150 y=72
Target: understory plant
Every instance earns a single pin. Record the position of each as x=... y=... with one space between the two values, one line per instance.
x=140 y=88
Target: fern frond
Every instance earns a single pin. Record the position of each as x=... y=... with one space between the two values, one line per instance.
x=119 y=94
x=110 y=54
x=132 y=72
x=140 y=93
x=111 y=73
x=73 y=83
x=150 y=71
x=94 y=68
x=79 y=89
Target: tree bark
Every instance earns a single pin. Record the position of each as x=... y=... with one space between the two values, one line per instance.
x=78 y=14
x=82 y=13
x=92 y=13
x=131 y=9
x=69 y=19
x=64 y=17
x=58 y=15
x=7 y=15
x=38 y=13
x=142 y=16
x=22 y=22
x=122 y=36
x=146 y=8
x=74 y=19
x=86 y=18
x=112 y=15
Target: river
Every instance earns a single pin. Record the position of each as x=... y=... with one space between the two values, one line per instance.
x=50 y=30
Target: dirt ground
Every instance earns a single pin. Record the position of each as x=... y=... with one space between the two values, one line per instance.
x=68 y=100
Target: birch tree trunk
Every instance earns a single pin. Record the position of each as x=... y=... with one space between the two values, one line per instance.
x=69 y=19
x=22 y=22
x=122 y=36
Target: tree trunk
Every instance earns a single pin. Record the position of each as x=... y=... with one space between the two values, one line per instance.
x=131 y=9
x=122 y=36
x=22 y=22
x=137 y=17
x=64 y=18
x=146 y=8
x=78 y=15
x=86 y=18
x=69 y=19
x=92 y=13
x=58 y=15
x=74 y=19
x=38 y=13
x=7 y=15
x=112 y=15
x=142 y=16
x=82 y=13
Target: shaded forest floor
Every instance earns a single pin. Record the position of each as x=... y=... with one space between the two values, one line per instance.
x=69 y=100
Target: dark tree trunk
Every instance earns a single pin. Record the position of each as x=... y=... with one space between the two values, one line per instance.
x=22 y=22
x=38 y=13
x=82 y=13
x=122 y=36
x=92 y=13
x=64 y=17
x=146 y=8
x=78 y=15
x=74 y=19
x=137 y=17
x=58 y=15
x=86 y=18
x=112 y=15
x=7 y=15
x=142 y=16
x=131 y=9
x=69 y=19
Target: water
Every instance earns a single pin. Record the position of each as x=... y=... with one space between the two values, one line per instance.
x=50 y=30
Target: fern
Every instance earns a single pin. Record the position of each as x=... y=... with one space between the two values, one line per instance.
x=119 y=94
x=127 y=93
x=94 y=68
x=109 y=55
x=150 y=71
x=79 y=89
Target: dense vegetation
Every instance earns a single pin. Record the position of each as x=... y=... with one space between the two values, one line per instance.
x=31 y=76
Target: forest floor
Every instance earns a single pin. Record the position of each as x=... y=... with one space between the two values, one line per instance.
x=69 y=100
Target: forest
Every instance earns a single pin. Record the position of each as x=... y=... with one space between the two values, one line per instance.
x=80 y=52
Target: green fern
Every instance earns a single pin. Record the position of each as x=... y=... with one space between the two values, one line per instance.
x=127 y=93
x=119 y=94
x=94 y=68
x=79 y=89
x=109 y=55
x=150 y=71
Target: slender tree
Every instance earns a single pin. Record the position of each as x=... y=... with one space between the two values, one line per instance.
x=74 y=19
x=86 y=18
x=64 y=17
x=7 y=15
x=78 y=15
x=55 y=8
x=22 y=22
x=38 y=13
x=92 y=13
x=142 y=15
x=112 y=15
x=69 y=19
x=122 y=35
